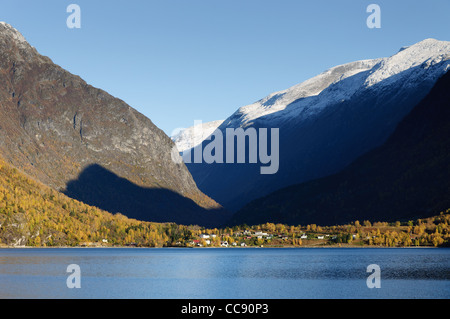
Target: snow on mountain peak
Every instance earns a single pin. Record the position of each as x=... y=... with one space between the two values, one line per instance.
x=424 y=53
x=278 y=101
x=341 y=82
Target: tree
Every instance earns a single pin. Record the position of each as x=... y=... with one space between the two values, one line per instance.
x=349 y=238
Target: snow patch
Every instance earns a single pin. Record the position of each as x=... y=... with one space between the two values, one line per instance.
x=188 y=138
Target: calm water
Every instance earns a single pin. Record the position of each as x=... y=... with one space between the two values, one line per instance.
x=225 y=273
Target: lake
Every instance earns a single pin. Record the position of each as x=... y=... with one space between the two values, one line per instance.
x=225 y=273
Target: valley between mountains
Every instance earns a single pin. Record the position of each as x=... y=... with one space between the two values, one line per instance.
x=364 y=161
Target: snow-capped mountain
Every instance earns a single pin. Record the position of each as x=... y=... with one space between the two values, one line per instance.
x=341 y=82
x=327 y=121
x=190 y=137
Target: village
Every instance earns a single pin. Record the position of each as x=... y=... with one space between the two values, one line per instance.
x=250 y=238
x=429 y=232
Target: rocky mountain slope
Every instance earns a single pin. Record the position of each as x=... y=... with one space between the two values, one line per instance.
x=54 y=126
x=408 y=177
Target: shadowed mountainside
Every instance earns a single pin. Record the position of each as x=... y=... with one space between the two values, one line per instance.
x=407 y=177
x=99 y=187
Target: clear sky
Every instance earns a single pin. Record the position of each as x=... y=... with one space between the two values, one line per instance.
x=177 y=61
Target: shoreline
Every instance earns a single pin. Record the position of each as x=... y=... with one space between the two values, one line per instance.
x=251 y=247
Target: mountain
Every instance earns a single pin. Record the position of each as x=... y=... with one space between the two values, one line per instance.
x=326 y=122
x=192 y=136
x=55 y=127
x=408 y=177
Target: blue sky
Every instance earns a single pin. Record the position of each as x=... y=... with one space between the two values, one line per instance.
x=177 y=61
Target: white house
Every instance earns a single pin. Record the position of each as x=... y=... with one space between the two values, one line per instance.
x=304 y=236
x=259 y=234
x=204 y=236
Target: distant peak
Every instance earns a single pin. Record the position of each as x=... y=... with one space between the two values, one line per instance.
x=430 y=40
x=428 y=49
x=427 y=43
